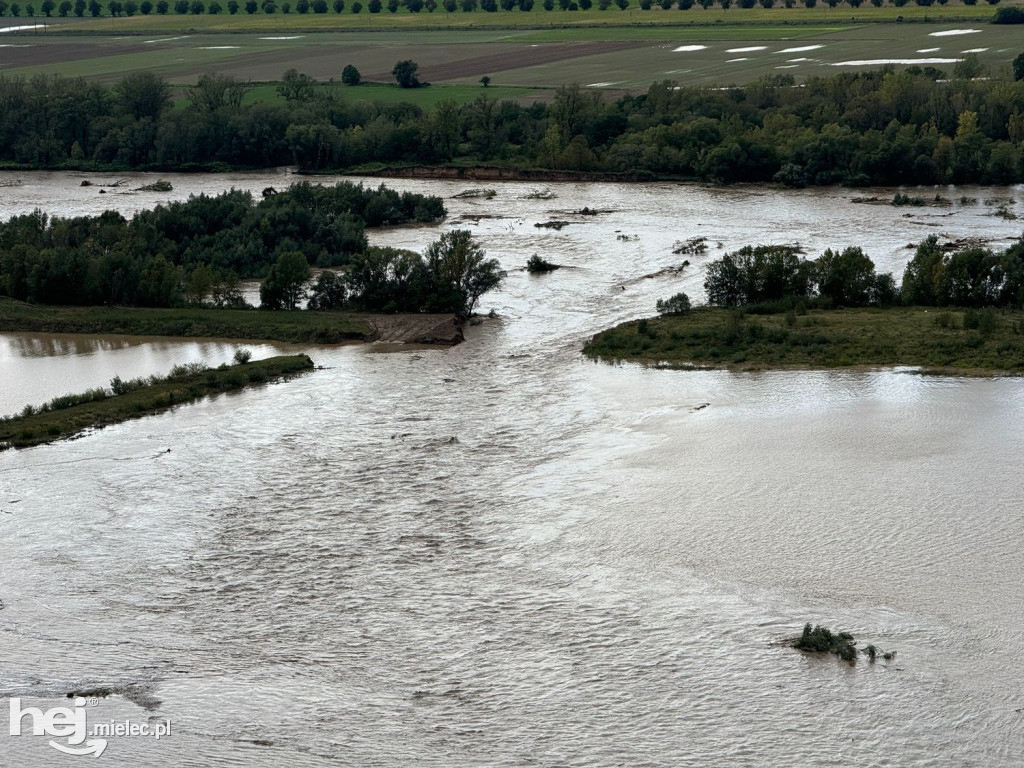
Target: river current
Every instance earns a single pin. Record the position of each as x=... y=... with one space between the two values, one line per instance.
x=501 y=554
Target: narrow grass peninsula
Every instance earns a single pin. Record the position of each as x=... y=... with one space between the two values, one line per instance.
x=70 y=415
x=936 y=339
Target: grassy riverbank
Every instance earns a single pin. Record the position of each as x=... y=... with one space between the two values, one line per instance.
x=982 y=341
x=70 y=415
x=294 y=326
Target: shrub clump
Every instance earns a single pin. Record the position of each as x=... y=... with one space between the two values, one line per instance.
x=674 y=305
x=535 y=264
x=819 y=639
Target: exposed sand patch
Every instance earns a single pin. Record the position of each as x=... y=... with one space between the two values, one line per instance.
x=951 y=32
x=688 y=48
x=284 y=37
x=975 y=50
x=730 y=61
x=927 y=50
x=748 y=49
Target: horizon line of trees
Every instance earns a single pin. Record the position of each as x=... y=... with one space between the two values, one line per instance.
x=883 y=127
x=119 y=8
x=194 y=251
x=777 y=276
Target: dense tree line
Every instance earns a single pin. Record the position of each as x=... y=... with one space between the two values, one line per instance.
x=884 y=127
x=973 y=277
x=194 y=251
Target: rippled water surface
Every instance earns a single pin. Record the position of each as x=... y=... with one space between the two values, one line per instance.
x=500 y=554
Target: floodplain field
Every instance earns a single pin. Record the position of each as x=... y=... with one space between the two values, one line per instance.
x=713 y=55
x=632 y=17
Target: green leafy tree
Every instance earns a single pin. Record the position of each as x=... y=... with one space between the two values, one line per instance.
x=674 y=305
x=283 y=287
x=328 y=292
x=143 y=94
x=847 y=278
x=1018 y=67
x=296 y=86
x=406 y=74
x=461 y=270
x=350 y=75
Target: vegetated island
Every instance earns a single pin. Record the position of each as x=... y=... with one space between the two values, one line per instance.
x=820 y=639
x=955 y=312
x=176 y=269
x=70 y=415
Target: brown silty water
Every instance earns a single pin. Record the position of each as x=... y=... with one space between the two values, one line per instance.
x=503 y=554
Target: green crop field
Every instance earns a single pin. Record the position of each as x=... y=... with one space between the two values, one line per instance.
x=615 y=50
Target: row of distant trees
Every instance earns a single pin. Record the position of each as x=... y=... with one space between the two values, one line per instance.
x=115 y=8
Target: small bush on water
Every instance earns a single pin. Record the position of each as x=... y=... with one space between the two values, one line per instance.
x=535 y=265
x=819 y=639
x=243 y=356
x=822 y=640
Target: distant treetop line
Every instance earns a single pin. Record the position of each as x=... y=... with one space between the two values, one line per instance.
x=887 y=127
x=118 y=8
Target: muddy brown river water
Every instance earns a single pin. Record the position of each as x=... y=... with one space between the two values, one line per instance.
x=500 y=554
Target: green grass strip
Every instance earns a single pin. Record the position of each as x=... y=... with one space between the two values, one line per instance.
x=933 y=338
x=101 y=407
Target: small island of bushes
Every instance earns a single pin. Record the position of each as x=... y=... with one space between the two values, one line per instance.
x=954 y=311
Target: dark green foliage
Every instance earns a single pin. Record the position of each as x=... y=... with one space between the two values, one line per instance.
x=406 y=74
x=535 y=264
x=847 y=279
x=451 y=277
x=970 y=277
x=915 y=126
x=674 y=305
x=329 y=292
x=155 y=259
x=757 y=274
x=350 y=75
x=1011 y=15
x=822 y=640
x=1018 y=63
x=283 y=287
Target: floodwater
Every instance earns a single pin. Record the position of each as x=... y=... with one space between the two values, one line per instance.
x=501 y=554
